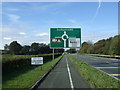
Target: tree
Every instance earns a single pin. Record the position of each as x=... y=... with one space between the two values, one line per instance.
x=115 y=46
x=15 y=47
x=43 y=48
x=84 y=48
x=34 y=49
x=90 y=50
x=59 y=50
x=99 y=46
x=107 y=46
x=71 y=50
x=25 y=50
x=6 y=47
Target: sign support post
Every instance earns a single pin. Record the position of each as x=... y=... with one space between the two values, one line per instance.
x=53 y=58
x=77 y=52
x=41 y=67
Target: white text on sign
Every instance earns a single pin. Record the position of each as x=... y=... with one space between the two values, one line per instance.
x=37 y=60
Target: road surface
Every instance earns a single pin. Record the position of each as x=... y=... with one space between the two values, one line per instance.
x=64 y=76
x=108 y=65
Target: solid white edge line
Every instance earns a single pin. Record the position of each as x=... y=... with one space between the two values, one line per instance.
x=71 y=82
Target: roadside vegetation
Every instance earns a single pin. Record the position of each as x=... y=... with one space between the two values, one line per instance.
x=110 y=46
x=94 y=77
x=17 y=71
x=27 y=76
x=11 y=63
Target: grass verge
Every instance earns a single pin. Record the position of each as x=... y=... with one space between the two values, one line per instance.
x=94 y=77
x=29 y=78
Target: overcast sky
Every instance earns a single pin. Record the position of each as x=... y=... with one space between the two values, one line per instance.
x=28 y=22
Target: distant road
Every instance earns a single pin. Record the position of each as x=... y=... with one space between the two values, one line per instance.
x=108 y=65
x=107 y=56
x=64 y=76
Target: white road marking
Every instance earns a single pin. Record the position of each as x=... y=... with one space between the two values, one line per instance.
x=106 y=67
x=115 y=74
x=71 y=82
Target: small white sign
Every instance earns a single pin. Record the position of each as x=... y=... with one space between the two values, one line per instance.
x=74 y=42
x=37 y=60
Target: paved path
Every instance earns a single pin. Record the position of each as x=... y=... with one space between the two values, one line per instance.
x=64 y=76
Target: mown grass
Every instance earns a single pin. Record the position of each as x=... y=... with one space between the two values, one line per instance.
x=27 y=79
x=94 y=77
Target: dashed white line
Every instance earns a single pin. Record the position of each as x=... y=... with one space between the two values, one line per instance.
x=71 y=82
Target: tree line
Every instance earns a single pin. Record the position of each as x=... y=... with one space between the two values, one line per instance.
x=34 y=49
x=110 y=46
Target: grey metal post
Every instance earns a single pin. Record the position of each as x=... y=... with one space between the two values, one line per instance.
x=53 y=58
x=41 y=67
x=77 y=52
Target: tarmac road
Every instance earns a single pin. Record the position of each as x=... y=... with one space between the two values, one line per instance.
x=108 y=65
x=64 y=76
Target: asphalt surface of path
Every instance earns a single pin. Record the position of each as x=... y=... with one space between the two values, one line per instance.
x=64 y=76
x=108 y=65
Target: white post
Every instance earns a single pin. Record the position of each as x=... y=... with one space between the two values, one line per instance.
x=53 y=58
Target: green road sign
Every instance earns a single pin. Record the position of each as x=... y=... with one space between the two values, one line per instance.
x=65 y=37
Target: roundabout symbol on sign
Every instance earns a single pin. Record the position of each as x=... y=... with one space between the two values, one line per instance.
x=64 y=38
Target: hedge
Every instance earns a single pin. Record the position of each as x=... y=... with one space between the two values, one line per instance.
x=23 y=61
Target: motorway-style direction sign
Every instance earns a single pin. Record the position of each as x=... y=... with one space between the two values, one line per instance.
x=65 y=37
